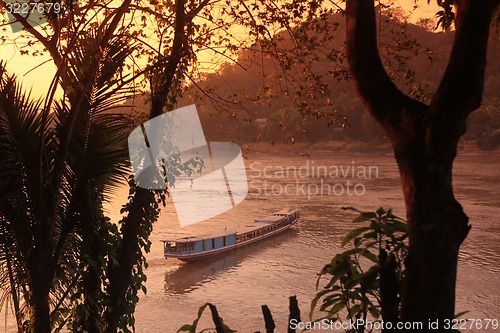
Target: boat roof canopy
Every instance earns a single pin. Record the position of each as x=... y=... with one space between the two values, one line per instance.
x=286 y=211
x=264 y=220
x=269 y=219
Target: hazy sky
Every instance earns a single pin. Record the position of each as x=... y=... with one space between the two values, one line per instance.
x=39 y=79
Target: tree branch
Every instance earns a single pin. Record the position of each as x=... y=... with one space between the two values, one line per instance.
x=164 y=77
x=378 y=92
x=461 y=87
x=51 y=47
x=197 y=10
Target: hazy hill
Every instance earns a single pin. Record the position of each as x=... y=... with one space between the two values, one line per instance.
x=257 y=107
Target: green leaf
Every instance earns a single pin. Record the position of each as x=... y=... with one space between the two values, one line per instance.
x=186 y=328
x=400 y=226
x=368 y=281
x=381 y=211
x=315 y=301
x=364 y=216
x=372 y=235
x=351 y=208
x=460 y=314
x=374 y=312
x=335 y=309
x=353 y=311
x=353 y=234
x=192 y=328
x=370 y=256
x=329 y=301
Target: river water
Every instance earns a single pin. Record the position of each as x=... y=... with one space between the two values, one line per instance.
x=270 y=271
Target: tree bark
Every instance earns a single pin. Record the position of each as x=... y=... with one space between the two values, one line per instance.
x=424 y=139
x=130 y=249
x=120 y=276
x=388 y=289
x=40 y=287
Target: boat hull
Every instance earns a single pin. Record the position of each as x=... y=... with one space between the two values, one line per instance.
x=282 y=223
x=203 y=255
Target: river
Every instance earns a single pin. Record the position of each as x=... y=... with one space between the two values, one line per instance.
x=269 y=272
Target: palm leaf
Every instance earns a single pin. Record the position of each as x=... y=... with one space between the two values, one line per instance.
x=21 y=126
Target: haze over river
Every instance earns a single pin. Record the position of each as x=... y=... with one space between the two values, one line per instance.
x=270 y=271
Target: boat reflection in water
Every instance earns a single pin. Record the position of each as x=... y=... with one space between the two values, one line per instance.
x=191 y=276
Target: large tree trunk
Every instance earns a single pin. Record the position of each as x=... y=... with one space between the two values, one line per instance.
x=120 y=276
x=144 y=199
x=424 y=139
x=437 y=227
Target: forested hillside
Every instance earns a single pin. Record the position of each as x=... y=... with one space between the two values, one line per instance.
x=257 y=92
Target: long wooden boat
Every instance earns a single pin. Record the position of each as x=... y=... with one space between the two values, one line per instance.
x=191 y=248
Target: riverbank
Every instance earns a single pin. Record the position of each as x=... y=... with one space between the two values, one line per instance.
x=345 y=147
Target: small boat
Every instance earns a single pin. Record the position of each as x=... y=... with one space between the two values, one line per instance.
x=192 y=248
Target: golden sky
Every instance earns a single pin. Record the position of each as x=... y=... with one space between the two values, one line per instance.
x=37 y=72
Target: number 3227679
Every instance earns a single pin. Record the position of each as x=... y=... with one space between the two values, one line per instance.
x=466 y=324
x=33 y=7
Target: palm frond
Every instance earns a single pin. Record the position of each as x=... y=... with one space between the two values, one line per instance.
x=97 y=155
x=21 y=126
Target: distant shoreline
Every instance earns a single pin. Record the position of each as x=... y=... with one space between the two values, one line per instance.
x=344 y=147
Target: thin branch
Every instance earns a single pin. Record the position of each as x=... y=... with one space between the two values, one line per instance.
x=197 y=10
x=222 y=54
x=46 y=42
x=65 y=294
x=39 y=65
x=218 y=101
